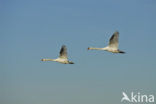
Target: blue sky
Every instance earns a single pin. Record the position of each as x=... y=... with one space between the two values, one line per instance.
x=35 y=29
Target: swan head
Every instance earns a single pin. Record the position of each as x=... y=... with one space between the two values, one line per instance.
x=43 y=59
x=88 y=48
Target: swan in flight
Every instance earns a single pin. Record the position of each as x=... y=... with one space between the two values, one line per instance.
x=113 y=44
x=63 y=58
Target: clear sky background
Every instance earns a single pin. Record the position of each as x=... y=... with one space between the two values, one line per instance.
x=35 y=29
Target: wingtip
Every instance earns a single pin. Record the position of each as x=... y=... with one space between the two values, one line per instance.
x=116 y=31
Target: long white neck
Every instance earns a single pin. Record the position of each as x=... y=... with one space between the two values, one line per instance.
x=93 y=48
x=48 y=59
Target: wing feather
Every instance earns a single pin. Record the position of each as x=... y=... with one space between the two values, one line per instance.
x=63 y=52
x=113 y=42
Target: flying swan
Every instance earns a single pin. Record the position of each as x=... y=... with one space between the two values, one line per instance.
x=63 y=58
x=113 y=44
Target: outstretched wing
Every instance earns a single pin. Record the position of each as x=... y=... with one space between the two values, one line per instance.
x=113 y=42
x=63 y=52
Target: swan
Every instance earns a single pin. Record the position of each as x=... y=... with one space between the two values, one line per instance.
x=113 y=44
x=63 y=58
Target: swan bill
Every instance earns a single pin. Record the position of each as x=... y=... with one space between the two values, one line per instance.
x=42 y=59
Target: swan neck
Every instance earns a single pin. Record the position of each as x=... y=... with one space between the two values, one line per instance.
x=48 y=60
x=93 y=48
x=105 y=48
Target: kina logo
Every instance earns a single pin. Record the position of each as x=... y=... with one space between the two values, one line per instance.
x=137 y=98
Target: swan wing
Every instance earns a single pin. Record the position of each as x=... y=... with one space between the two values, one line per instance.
x=63 y=52
x=113 y=42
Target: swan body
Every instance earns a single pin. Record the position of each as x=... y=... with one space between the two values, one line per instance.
x=113 y=45
x=62 y=58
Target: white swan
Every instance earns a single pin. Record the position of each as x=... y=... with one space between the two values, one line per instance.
x=113 y=45
x=63 y=58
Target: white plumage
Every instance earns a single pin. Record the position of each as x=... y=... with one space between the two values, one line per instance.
x=63 y=58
